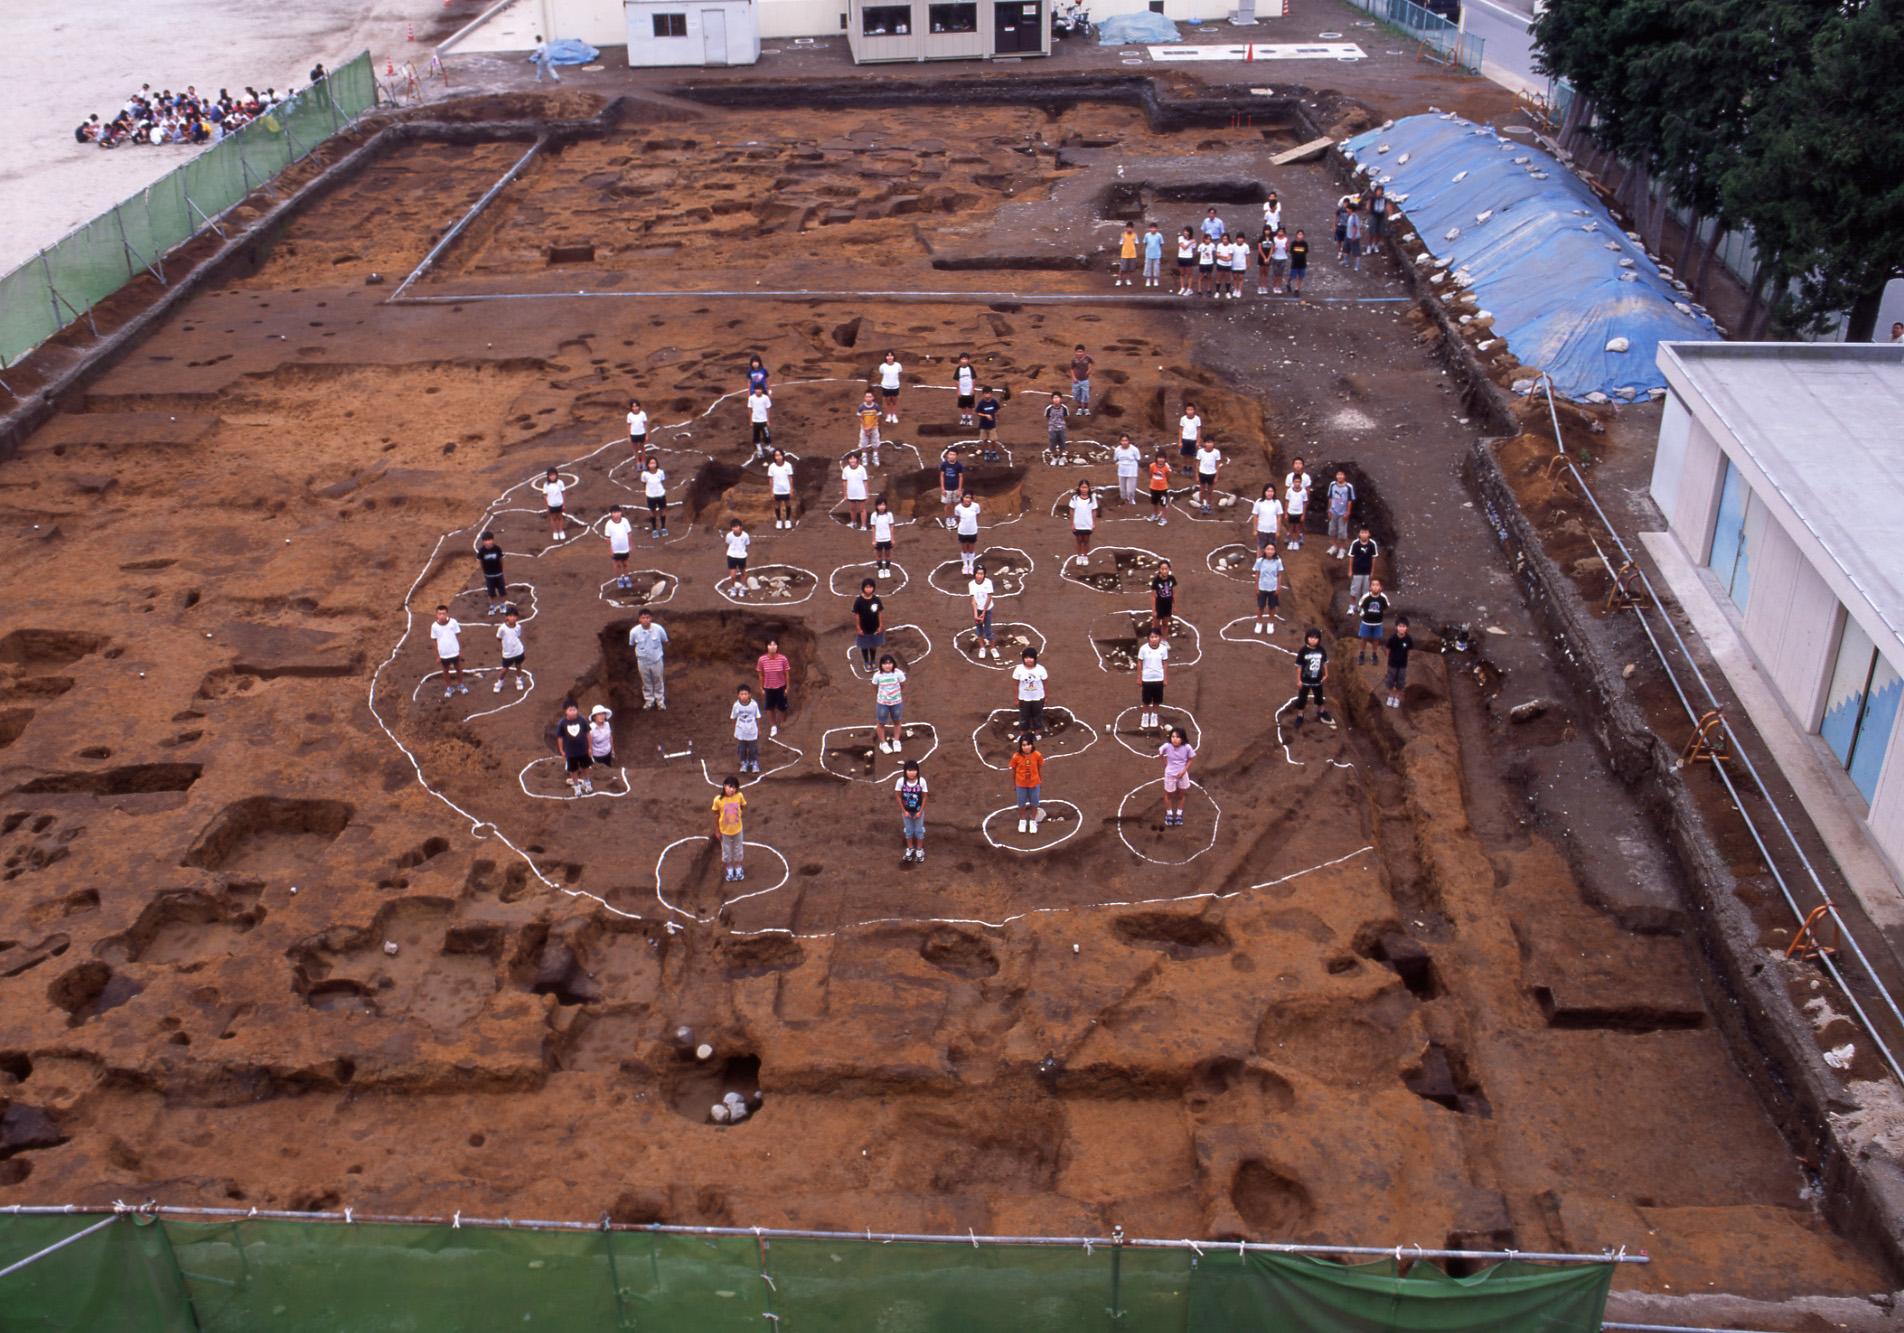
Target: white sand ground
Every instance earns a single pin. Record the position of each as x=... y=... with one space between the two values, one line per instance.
x=61 y=60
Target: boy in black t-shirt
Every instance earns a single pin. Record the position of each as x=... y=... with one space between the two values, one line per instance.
x=1312 y=673
x=1370 y=612
x=869 y=623
x=987 y=409
x=490 y=555
x=1400 y=644
x=571 y=742
x=1362 y=553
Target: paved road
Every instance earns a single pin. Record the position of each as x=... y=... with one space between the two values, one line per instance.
x=1509 y=57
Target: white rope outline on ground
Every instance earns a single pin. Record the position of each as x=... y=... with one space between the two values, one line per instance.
x=1064 y=569
x=1218 y=513
x=985 y=830
x=902 y=758
x=540 y=482
x=416 y=695
x=750 y=779
x=724 y=585
x=886 y=586
x=522 y=780
x=1163 y=733
x=480 y=828
x=1250 y=636
x=1006 y=660
x=1050 y=756
x=862 y=675
x=786 y=873
x=1277 y=718
x=985 y=557
x=534 y=599
x=638 y=605
x=1195 y=634
x=1215 y=822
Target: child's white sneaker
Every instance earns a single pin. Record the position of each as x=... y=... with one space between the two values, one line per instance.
x=773 y=730
x=519 y=684
x=1024 y=826
x=885 y=748
x=498 y=686
x=1259 y=627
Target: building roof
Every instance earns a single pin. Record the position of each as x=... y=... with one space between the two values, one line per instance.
x=1823 y=426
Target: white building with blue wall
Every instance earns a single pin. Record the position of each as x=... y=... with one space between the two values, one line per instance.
x=1780 y=473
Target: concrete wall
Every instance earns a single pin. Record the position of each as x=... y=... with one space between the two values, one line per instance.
x=1693 y=505
x=1791 y=624
x=802 y=18
x=1669 y=459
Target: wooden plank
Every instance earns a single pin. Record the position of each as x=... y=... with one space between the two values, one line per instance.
x=1302 y=152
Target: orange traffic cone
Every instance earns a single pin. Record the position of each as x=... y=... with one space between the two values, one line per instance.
x=409 y=32
x=389 y=68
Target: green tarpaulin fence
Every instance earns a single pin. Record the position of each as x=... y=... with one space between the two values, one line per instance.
x=156 y=1275
x=66 y=280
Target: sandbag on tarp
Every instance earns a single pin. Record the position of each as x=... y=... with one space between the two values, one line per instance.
x=1534 y=245
x=1144 y=29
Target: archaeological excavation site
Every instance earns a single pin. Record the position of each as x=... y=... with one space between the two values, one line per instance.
x=290 y=924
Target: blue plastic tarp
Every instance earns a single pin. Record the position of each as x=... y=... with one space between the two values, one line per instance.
x=569 y=51
x=1535 y=247
x=1145 y=29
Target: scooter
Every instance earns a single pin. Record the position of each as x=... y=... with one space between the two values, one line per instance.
x=1070 y=18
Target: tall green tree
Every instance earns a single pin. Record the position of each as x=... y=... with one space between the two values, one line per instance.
x=1821 y=181
x=1784 y=116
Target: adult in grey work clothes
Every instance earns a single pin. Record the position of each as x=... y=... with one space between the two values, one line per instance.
x=648 y=639
x=544 y=64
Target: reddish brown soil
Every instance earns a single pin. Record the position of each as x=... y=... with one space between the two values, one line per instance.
x=1378 y=1008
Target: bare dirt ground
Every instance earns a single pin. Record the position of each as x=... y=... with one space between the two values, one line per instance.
x=1389 y=984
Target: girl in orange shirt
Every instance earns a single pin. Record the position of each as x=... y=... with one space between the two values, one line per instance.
x=1159 y=489
x=1028 y=775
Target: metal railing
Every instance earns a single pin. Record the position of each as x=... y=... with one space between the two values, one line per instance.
x=1712 y=717
x=1421 y=24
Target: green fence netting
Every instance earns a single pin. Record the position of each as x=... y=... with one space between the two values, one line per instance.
x=69 y=278
x=163 y=1274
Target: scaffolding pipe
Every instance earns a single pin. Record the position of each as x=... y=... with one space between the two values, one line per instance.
x=1890 y=1059
x=462 y=223
x=1619 y=1256
x=57 y=1246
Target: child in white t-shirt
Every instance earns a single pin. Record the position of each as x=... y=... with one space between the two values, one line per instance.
x=654 y=488
x=618 y=529
x=554 y=493
x=853 y=478
x=637 y=429
x=883 y=520
x=1152 y=655
x=780 y=477
x=1209 y=460
x=448 y=637
x=737 y=543
x=509 y=635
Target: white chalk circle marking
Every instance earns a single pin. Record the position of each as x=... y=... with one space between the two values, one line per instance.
x=907 y=730
x=1189 y=723
x=522 y=780
x=1232 y=632
x=1216 y=819
x=1002 y=579
x=626 y=599
x=1010 y=654
x=1071 y=827
x=1051 y=756
x=887 y=586
x=1141 y=616
x=860 y=673
x=725 y=586
x=786 y=873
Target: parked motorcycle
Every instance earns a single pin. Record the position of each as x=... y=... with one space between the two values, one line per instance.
x=1070 y=18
